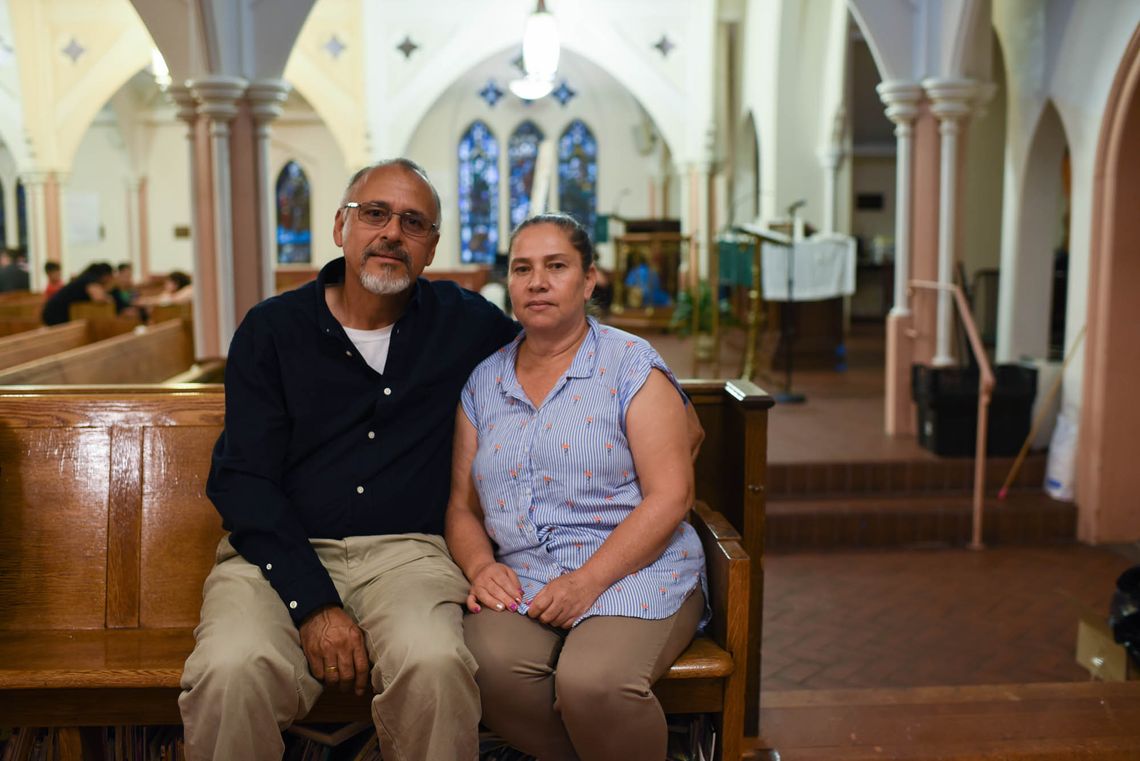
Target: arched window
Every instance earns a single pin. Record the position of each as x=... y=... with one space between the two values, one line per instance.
x=478 y=195
x=578 y=173
x=294 y=234
x=522 y=151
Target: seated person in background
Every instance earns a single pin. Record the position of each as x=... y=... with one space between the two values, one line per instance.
x=93 y=284
x=14 y=271
x=176 y=289
x=571 y=480
x=123 y=288
x=54 y=275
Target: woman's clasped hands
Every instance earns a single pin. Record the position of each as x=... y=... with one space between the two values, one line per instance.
x=560 y=603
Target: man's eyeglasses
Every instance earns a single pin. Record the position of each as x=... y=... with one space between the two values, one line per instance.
x=377 y=215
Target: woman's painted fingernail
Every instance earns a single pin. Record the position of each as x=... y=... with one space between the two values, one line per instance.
x=514 y=607
x=499 y=605
x=477 y=609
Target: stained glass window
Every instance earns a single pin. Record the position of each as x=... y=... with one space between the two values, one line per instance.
x=294 y=235
x=522 y=151
x=578 y=173
x=478 y=195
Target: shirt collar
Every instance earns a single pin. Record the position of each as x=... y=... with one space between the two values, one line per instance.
x=583 y=366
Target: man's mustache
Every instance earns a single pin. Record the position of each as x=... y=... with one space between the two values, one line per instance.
x=392 y=252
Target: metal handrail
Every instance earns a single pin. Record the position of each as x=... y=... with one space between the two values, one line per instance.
x=985 y=392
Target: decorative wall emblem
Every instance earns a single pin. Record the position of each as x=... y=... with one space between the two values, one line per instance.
x=491 y=93
x=407 y=47
x=334 y=47
x=74 y=50
x=563 y=93
x=664 y=46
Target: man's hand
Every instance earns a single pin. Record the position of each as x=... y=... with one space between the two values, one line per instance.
x=564 y=600
x=334 y=645
x=495 y=586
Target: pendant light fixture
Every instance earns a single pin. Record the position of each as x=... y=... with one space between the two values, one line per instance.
x=540 y=55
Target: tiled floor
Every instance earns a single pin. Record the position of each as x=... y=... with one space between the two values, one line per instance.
x=908 y=617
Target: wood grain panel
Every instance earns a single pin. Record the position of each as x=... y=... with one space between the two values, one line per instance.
x=123 y=528
x=53 y=527
x=11 y=326
x=42 y=342
x=181 y=528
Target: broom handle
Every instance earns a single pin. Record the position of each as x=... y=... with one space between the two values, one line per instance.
x=1040 y=416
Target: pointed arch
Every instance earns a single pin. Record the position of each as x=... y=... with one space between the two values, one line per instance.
x=1042 y=234
x=478 y=194
x=294 y=228
x=578 y=173
x=522 y=153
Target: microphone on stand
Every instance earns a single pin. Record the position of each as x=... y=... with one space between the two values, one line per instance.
x=796 y=205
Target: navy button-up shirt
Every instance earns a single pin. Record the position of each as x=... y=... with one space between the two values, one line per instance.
x=317 y=444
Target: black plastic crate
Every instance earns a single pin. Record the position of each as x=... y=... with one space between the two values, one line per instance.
x=947 y=403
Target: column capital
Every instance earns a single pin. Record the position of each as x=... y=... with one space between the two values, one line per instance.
x=952 y=99
x=186 y=102
x=218 y=95
x=35 y=177
x=266 y=97
x=901 y=99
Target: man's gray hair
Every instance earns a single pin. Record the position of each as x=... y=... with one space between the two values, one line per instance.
x=403 y=163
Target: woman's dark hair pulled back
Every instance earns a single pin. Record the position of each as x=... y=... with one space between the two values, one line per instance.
x=575 y=233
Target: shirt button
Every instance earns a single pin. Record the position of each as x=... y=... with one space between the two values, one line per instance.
x=372 y=434
x=348 y=354
x=387 y=392
x=269 y=566
x=293 y=605
x=359 y=489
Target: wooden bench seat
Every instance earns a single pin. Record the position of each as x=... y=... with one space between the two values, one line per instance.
x=106 y=537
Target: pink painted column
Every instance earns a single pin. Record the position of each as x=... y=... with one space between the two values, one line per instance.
x=144 y=231
x=266 y=98
x=901 y=100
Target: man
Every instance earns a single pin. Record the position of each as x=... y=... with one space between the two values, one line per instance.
x=332 y=476
x=55 y=282
x=14 y=272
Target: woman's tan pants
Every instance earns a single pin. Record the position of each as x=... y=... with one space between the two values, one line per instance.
x=584 y=694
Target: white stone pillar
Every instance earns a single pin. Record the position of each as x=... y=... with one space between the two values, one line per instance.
x=217 y=101
x=952 y=102
x=34 y=184
x=901 y=100
x=134 y=226
x=829 y=157
x=188 y=112
x=265 y=97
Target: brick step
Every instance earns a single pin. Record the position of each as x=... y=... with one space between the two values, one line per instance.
x=877 y=521
x=917 y=476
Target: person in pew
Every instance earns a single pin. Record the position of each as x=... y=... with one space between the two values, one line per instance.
x=93 y=284
x=571 y=481
x=332 y=477
x=54 y=274
x=122 y=289
x=14 y=272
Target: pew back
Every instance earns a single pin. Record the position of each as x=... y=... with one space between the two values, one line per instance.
x=146 y=355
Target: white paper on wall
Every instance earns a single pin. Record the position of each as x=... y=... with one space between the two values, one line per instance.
x=84 y=222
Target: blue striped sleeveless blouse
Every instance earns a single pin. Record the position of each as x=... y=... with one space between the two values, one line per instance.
x=555 y=481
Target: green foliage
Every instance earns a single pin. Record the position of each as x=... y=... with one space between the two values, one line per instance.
x=682 y=322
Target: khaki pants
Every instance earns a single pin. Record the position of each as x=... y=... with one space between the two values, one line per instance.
x=248 y=679
x=585 y=693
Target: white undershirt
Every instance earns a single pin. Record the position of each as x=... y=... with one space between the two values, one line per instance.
x=372 y=345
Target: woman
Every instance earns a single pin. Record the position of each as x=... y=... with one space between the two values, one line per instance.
x=571 y=481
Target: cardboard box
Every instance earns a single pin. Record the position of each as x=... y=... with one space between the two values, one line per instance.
x=1099 y=653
